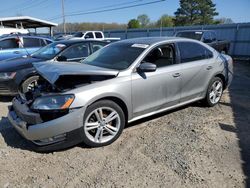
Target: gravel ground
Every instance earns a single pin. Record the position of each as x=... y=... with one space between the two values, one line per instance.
x=192 y=146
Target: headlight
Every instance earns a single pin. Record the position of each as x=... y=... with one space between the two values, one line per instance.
x=7 y=75
x=58 y=102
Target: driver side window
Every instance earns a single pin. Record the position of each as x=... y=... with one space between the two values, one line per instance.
x=161 y=56
x=76 y=52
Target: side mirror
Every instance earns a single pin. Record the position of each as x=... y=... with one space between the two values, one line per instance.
x=147 y=67
x=61 y=58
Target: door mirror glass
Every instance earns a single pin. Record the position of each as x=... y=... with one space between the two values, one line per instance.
x=61 y=58
x=147 y=67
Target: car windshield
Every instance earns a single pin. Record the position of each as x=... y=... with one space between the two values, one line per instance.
x=117 y=56
x=50 y=51
x=190 y=35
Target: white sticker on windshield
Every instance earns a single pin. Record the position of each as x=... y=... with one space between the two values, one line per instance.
x=198 y=32
x=140 y=45
x=61 y=46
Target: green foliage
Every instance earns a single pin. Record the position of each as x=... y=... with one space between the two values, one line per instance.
x=143 y=20
x=74 y=27
x=195 y=12
x=223 y=21
x=134 y=23
x=165 y=21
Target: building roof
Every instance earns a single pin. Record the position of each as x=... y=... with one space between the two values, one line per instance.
x=25 y=21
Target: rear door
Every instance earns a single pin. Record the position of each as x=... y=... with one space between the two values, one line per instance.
x=152 y=91
x=31 y=44
x=197 y=69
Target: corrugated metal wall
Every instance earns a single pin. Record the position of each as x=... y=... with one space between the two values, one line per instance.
x=237 y=34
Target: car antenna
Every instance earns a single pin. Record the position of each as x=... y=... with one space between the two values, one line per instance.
x=20 y=41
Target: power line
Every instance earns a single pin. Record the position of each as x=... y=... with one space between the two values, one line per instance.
x=111 y=9
x=36 y=3
x=108 y=6
x=16 y=6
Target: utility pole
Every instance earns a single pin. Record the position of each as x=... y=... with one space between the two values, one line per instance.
x=63 y=16
x=161 y=28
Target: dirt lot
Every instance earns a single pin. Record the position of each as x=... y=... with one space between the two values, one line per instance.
x=189 y=147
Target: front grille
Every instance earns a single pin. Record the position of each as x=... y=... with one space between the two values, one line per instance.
x=3 y=87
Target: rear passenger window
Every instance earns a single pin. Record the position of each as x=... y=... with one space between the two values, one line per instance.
x=191 y=51
x=98 y=35
x=31 y=42
x=9 y=43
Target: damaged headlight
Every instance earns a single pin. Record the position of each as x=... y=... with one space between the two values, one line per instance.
x=7 y=75
x=58 y=102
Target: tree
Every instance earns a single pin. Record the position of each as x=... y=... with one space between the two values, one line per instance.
x=195 y=12
x=134 y=23
x=143 y=20
x=165 y=21
x=223 y=21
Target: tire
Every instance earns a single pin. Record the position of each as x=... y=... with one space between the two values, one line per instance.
x=29 y=84
x=214 y=92
x=100 y=120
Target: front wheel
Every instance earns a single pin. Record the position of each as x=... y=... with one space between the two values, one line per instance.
x=103 y=123
x=29 y=84
x=214 y=92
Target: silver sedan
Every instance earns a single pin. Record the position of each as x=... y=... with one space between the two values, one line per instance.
x=125 y=81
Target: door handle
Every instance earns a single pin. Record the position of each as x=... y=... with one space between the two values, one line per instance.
x=209 y=67
x=16 y=52
x=176 y=75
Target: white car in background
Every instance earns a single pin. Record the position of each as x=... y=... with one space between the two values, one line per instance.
x=98 y=35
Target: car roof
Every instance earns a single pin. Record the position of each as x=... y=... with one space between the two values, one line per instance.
x=149 y=40
x=26 y=36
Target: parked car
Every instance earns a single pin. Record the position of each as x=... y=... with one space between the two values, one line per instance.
x=125 y=81
x=18 y=46
x=20 y=71
x=98 y=35
x=207 y=36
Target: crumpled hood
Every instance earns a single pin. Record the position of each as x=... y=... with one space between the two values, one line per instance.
x=52 y=71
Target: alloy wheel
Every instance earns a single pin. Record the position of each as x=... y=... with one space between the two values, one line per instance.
x=102 y=124
x=216 y=92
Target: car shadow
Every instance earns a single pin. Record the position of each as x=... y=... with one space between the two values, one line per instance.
x=6 y=98
x=239 y=93
x=11 y=136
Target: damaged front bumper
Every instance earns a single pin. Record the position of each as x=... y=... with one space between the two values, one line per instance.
x=58 y=133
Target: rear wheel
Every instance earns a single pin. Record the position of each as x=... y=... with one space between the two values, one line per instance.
x=29 y=84
x=103 y=123
x=214 y=92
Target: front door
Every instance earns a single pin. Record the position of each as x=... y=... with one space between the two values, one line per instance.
x=153 y=91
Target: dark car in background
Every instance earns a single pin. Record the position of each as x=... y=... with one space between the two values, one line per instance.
x=19 y=45
x=207 y=36
x=17 y=72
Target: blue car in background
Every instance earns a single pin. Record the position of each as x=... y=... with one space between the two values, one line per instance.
x=18 y=46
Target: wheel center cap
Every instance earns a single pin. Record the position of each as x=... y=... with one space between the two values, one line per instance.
x=103 y=124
